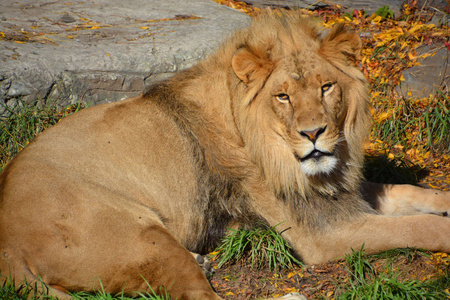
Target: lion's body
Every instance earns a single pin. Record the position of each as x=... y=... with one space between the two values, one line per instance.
x=124 y=190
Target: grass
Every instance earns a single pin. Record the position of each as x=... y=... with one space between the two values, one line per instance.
x=368 y=283
x=413 y=123
x=23 y=122
x=27 y=291
x=261 y=246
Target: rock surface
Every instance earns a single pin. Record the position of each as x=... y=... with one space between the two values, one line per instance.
x=102 y=51
x=432 y=74
x=98 y=51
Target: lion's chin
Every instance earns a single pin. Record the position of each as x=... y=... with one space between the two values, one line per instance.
x=316 y=166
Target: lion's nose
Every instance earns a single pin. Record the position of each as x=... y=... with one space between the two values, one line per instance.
x=313 y=135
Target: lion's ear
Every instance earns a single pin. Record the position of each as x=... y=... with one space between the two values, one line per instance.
x=249 y=67
x=341 y=45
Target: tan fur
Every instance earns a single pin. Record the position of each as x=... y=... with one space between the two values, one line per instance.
x=121 y=192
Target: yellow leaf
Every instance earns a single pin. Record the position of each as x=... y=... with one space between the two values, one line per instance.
x=383 y=116
x=144 y=27
x=290 y=290
x=377 y=19
x=415 y=28
x=95 y=27
x=2 y=35
x=375 y=94
x=329 y=294
x=108 y=54
x=19 y=42
x=229 y=294
x=391 y=156
x=70 y=37
x=404 y=44
x=291 y=274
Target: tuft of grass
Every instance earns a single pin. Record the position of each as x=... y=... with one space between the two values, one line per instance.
x=413 y=123
x=366 y=283
x=24 y=291
x=409 y=253
x=359 y=267
x=25 y=121
x=262 y=246
x=28 y=291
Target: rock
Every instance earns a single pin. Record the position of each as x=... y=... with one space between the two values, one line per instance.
x=431 y=75
x=369 y=6
x=107 y=52
x=66 y=18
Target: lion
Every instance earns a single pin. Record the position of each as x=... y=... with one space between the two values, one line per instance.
x=270 y=128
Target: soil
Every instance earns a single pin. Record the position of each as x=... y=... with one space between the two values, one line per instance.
x=326 y=281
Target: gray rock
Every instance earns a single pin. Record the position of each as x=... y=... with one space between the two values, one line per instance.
x=432 y=74
x=66 y=18
x=368 y=5
x=111 y=51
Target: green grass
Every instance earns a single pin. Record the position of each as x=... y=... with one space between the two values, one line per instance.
x=23 y=123
x=261 y=246
x=414 y=124
x=367 y=283
x=27 y=291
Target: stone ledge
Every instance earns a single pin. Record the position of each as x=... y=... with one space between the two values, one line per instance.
x=95 y=52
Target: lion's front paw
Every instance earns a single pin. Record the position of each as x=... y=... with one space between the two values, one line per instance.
x=437 y=203
x=413 y=200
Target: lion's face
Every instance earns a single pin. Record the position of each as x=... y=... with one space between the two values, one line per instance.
x=303 y=107
x=308 y=109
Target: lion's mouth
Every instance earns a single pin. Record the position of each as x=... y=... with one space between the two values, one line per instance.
x=315 y=154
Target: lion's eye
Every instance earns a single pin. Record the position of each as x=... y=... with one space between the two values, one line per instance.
x=283 y=98
x=327 y=87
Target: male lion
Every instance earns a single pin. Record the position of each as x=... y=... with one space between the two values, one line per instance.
x=268 y=129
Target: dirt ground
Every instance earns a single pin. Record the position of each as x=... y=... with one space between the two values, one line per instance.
x=326 y=281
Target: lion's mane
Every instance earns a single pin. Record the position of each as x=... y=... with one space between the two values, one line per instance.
x=233 y=138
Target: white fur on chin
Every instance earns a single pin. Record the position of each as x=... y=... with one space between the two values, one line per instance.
x=324 y=164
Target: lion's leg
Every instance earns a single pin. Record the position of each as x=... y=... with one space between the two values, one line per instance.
x=377 y=233
x=115 y=252
x=405 y=199
x=173 y=267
